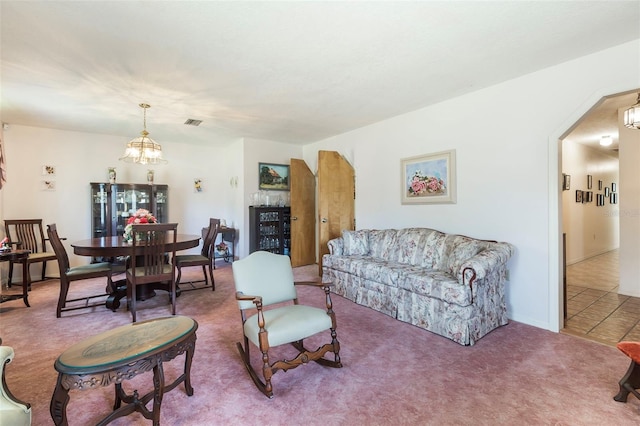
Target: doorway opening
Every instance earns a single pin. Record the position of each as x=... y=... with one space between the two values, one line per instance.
x=593 y=307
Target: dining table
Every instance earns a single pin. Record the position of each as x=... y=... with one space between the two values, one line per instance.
x=114 y=247
x=117 y=246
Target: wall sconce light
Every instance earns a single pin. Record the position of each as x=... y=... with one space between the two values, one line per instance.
x=632 y=116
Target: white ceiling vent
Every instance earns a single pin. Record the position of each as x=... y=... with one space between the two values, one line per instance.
x=192 y=122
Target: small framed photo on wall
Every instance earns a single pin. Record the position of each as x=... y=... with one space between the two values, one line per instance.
x=589 y=181
x=578 y=196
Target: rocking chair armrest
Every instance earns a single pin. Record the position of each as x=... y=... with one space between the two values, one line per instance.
x=241 y=296
x=313 y=283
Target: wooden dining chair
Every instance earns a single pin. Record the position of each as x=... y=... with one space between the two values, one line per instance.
x=28 y=234
x=77 y=273
x=149 y=249
x=204 y=259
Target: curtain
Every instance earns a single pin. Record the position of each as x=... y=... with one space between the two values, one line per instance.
x=3 y=169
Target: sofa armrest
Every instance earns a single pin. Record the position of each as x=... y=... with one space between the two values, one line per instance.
x=336 y=246
x=480 y=265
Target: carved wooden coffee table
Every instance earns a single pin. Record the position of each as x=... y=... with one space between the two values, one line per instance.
x=121 y=354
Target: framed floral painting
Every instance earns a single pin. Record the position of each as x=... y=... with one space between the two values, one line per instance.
x=429 y=179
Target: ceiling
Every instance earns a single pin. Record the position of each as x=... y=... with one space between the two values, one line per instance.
x=296 y=72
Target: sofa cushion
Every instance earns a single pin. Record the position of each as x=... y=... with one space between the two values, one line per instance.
x=438 y=284
x=433 y=250
x=410 y=243
x=356 y=242
x=382 y=244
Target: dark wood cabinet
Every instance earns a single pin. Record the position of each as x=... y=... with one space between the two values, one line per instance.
x=112 y=204
x=270 y=229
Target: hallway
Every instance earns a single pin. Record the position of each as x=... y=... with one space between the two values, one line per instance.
x=595 y=310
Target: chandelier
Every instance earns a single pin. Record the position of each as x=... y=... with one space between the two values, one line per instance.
x=632 y=116
x=143 y=149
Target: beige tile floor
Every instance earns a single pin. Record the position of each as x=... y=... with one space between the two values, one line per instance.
x=594 y=308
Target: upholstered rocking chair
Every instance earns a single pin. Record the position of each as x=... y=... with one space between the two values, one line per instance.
x=262 y=280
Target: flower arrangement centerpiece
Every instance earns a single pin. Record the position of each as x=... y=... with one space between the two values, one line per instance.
x=425 y=185
x=140 y=216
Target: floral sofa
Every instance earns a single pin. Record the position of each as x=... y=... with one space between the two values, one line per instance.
x=448 y=284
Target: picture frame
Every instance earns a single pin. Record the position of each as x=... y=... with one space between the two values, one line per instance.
x=429 y=178
x=273 y=177
x=599 y=200
x=578 y=196
x=197 y=185
x=589 y=181
x=48 y=185
x=613 y=187
x=566 y=182
x=589 y=196
x=606 y=191
x=48 y=170
x=599 y=185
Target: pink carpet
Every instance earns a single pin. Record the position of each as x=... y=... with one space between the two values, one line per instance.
x=394 y=373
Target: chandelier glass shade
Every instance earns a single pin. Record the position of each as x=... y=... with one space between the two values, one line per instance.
x=143 y=149
x=632 y=116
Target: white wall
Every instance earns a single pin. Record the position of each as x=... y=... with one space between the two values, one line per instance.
x=505 y=159
x=629 y=210
x=591 y=230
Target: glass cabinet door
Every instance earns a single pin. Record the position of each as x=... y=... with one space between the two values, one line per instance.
x=99 y=210
x=160 y=209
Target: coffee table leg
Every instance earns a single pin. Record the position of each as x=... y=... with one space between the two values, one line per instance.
x=59 y=400
x=187 y=368
x=158 y=392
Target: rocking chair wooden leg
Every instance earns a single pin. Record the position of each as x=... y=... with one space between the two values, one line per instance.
x=244 y=354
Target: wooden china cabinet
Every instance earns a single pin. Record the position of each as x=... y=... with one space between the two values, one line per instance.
x=112 y=204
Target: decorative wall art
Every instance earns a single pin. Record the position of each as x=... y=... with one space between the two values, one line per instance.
x=273 y=177
x=613 y=198
x=588 y=196
x=599 y=185
x=48 y=170
x=429 y=179
x=606 y=191
x=197 y=185
x=566 y=182
x=589 y=181
x=613 y=187
x=578 y=196
x=599 y=200
x=48 y=185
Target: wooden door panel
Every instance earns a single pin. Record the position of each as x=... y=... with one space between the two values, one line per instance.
x=303 y=214
x=336 y=198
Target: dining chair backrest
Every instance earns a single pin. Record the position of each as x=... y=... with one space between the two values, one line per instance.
x=210 y=238
x=27 y=234
x=58 y=248
x=150 y=246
